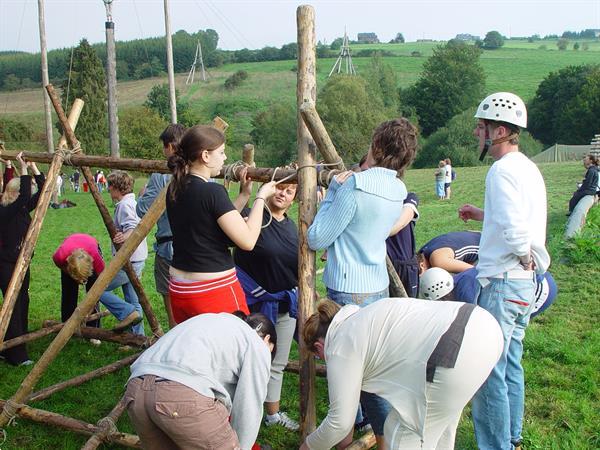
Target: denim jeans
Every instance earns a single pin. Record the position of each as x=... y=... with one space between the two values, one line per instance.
x=345 y=298
x=498 y=406
x=119 y=308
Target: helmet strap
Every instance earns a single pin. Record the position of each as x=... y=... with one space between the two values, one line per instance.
x=489 y=142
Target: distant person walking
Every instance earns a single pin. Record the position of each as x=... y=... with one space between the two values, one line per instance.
x=448 y=178
x=511 y=251
x=440 y=180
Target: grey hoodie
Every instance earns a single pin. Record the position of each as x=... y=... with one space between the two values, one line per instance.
x=218 y=356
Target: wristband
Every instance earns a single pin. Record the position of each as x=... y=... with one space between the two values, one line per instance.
x=260 y=198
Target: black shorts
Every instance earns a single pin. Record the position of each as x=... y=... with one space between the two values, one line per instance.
x=446 y=185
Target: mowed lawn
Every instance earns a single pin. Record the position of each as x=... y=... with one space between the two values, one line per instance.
x=561 y=359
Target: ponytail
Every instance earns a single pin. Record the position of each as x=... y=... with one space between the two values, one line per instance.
x=316 y=326
x=194 y=141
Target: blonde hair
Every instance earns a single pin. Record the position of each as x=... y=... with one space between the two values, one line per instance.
x=11 y=191
x=79 y=265
x=442 y=163
x=316 y=326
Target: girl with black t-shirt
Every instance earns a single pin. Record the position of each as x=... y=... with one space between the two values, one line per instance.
x=205 y=223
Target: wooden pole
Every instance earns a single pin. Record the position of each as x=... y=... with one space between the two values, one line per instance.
x=102 y=334
x=307 y=189
x=45 y=331
x=170 y=73
x=111 y=82
x=319 y=134
x=248 y=157
x=107 y=426
x=32 y=235
x=45 y=79
x=107 y=219
x=79 y=380
x=68 y=423
x=365 y=442
x=294 y=367
x=85 y=307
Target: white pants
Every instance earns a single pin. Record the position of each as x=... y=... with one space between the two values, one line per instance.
x=284 y=327
x=451 y=389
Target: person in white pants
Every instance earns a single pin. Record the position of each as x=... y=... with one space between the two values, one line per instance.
x=427 y=359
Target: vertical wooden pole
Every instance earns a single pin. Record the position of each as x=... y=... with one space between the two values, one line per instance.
x=248 y=157
x=111 y=83
x=171 y=75
x=85 y=307
x=307 y=190
x=45 y=80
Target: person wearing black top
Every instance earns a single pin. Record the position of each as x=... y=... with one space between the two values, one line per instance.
x=454 y=252
x=589 y=185
x=16 y=204
x=273 y=264
x=205 y=223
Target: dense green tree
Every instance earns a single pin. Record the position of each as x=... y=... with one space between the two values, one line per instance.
x=139 y=129
x=452 y=80
x=559 y=98
x=274 y=133
x=562 y=44
x=399 y=39
x=493 y=40
x=87 y=81
x=382 y=82
x=350 y=112
x=158 y=100
x=336 y=44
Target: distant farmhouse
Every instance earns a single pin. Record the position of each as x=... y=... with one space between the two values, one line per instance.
x=596 y=33
x=467 y=37
x=368 y=38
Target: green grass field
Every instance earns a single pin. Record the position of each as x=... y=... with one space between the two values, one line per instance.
x=561 y=359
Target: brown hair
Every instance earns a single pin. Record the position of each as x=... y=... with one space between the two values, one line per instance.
x=594 y=159
x=316 y=326
x=513 y=129
x=79 y=265
x=447 y=161
x=121 y=181
x=394 y=144
x=172 y=134
x=194 y=141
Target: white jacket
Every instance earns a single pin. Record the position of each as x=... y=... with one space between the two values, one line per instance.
x=383 y=349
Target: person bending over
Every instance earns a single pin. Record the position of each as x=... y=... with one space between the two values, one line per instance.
x=202 y=384
x=426 y=359
x=455 y=251
x=205 y=223
x=272 y=266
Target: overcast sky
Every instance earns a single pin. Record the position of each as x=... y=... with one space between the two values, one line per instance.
x=256 y=23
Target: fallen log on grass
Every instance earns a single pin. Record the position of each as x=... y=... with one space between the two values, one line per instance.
x=108 y=335
x=365 y=442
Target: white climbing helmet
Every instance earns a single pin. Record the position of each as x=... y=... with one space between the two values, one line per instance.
x=435 y=283
x=503 y=107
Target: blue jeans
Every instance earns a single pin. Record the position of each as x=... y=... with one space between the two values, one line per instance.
x=119 y=308
x=345 y=298
x=498 y=406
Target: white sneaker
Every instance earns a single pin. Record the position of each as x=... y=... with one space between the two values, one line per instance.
x=282 y=419
x=95 y=342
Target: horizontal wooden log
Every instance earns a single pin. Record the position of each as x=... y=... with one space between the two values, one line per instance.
x=294 y=367
x=70 y=424
x=260 y=174
x=108 y=335
x=365 y=442
x=78 y=380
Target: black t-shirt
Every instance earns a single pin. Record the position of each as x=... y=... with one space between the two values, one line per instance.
x=273 y=263
x=199 y=244
x=464 y=243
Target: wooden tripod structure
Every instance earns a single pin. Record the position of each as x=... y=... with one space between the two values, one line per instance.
x=197 y=60
x=311 y=134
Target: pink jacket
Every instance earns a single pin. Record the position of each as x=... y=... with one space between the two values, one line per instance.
x=82 y=241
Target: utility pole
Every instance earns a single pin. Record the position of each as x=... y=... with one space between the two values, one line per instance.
x=45 y=79
x=111 y=81
x=170 y=73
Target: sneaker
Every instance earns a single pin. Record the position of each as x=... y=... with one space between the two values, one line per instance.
x=95 y=342
x=363 y=427
x=27 y=362
x=132 y=319
x=282 y=419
